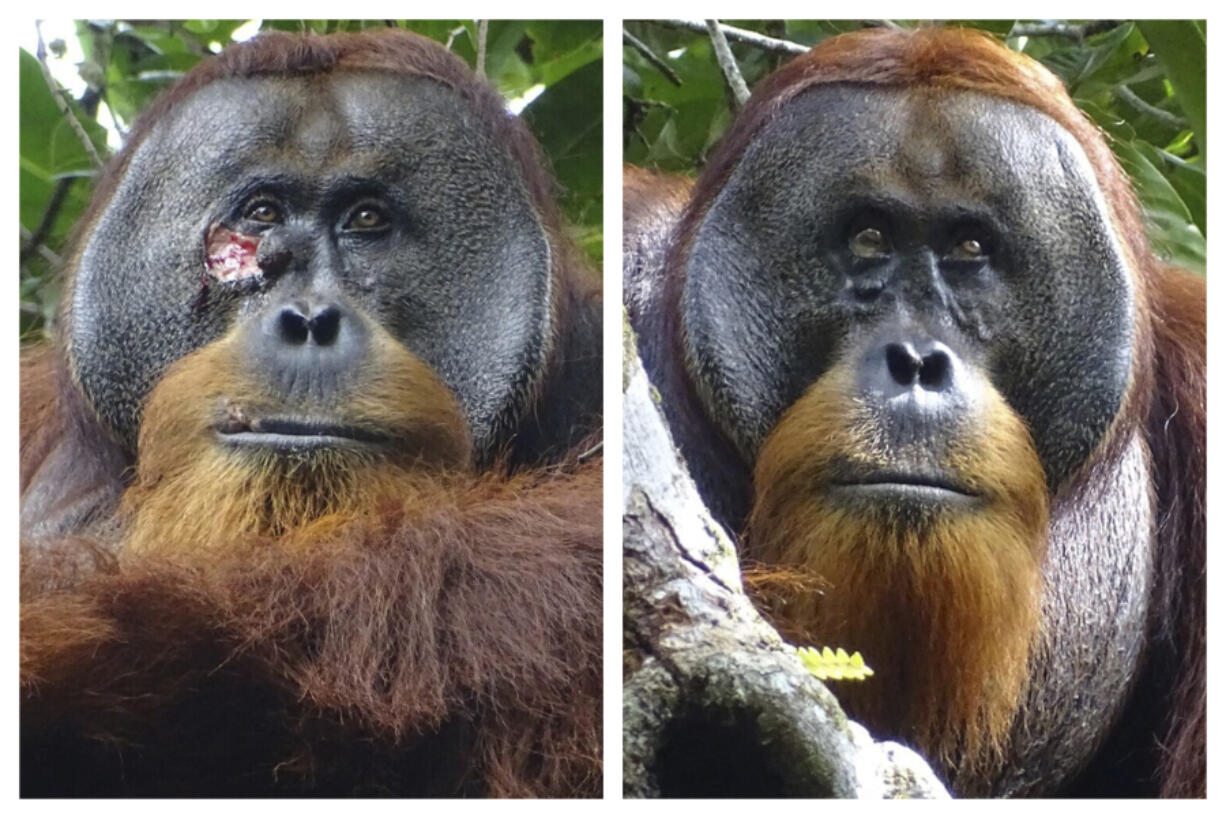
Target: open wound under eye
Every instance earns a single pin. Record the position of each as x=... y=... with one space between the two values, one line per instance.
x=231 y=255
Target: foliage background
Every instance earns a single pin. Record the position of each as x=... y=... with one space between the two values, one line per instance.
x=127 y=64
x=1143 y=84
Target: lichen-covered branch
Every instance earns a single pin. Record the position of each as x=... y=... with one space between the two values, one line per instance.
x=57 y=95
x=483 y=32
x=1071 y=31
x=716 y=703
x=727 y=64
x=740 y=35
x=1170 y=120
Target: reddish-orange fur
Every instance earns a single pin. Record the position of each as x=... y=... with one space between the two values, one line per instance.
x=388 y=624
x=1165 y=400
x=41 y=393
x=379 y=614
x=188 y=487
x=479 y=599
x=946 y=607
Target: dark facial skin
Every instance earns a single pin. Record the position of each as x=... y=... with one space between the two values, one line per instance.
x=936 y=245
x=861 y=218
x=379 y=196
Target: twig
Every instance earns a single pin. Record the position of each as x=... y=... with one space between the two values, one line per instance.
x=1128 y=96
x=89 y=104
x=47 y=254
x=451 y=35
x=483 y=30
x=657 y=63
x=1070 y=31
x=35 y=239
x=59 y=100
x=740 y=35
x=727 y=64
x=636 y=111
x=117 y=125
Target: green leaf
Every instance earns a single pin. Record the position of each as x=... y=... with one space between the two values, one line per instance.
x=50 y=149
x=560 y=49
x=567 y=121
x=1110 y=121
x=676 y=133
x=1101 y=61
x=834 y=665
x=1180 y=46
x=1169 y=223
x=1000 y=28
x=144 y=61
x=504 y=65
x=1186 y=177
x=293 y=26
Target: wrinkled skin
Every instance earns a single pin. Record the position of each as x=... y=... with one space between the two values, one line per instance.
x=773 y=292
x=862 y=218
x=456 y=266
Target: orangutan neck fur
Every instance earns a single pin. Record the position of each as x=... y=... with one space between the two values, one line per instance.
x=194 y=493
x=944 y=605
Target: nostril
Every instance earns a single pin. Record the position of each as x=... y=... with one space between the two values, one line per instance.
x=903 y=362
x=326 y=325
x=936 y=373
x=293 y=325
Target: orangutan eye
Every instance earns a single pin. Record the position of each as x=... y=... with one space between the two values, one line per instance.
x=366 y=218
x=264 y=211
x=869 y=242
x=968 y=249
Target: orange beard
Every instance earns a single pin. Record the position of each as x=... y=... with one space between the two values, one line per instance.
x=943 y=603
x=194 y=494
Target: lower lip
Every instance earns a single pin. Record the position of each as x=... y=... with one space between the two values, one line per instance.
x=904 y=492
x=290 y=442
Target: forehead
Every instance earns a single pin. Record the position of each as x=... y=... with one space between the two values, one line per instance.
x=919 y=140
x=316 y=120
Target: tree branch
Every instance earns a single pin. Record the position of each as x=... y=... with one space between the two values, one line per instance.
x=1069 y=31
x=57 y=95
x=50 y=214
x=727 y=64
x=451 y=35
x=483 y=30
x=740 y=35
x=48 y=255
x=715 y=702
x=1129 y=97
x=647 y=54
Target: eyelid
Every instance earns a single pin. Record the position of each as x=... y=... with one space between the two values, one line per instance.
x=957 y=250
x=263 y=200
x=881 y=245
x=380 y=209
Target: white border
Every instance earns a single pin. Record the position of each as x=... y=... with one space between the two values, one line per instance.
x=612 y=11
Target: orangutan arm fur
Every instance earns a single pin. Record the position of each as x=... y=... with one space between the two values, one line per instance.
x=466 y=625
